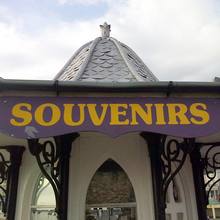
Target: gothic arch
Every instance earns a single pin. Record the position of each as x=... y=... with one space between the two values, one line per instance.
x=110 y=193
x=187 y=189
x=176 y=200
x=110 y=177
x=102 y=159
x=183 y=208
x=91 y=150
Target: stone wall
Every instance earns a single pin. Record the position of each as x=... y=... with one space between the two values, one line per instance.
x=110 y=186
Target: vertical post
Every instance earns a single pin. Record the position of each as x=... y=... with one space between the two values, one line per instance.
x=65 y=142
x=198 y=176
x=16 y=153
x=213 y=212
x=154 y=146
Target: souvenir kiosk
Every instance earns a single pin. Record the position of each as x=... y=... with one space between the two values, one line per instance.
x=106 y=140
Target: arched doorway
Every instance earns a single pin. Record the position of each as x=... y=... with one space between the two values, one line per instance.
x=110 y=194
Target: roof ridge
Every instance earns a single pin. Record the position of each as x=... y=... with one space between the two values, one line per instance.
x=143 y=63
x=85 y=63
x=125 y=59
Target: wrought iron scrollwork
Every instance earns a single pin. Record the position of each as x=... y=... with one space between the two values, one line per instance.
x=173 y=155
x=4 y=173
x=167 y=158
x=211 y=165
x=10 y=160
x=53 y=158
x=47 y=155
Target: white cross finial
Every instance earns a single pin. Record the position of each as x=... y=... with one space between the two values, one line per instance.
x=105 y=30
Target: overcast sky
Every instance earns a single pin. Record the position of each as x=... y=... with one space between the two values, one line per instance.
x=177 y=39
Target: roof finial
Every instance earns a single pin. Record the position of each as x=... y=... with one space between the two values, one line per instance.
x=105 y=30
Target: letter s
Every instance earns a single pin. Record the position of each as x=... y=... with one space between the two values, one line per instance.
x=199 y=111
x=22 y=112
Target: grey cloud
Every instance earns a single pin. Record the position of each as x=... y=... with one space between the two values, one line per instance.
x=177 y=39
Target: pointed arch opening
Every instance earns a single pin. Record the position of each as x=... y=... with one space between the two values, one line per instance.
x=110 y=194
x=43 y=200
x=175 y=200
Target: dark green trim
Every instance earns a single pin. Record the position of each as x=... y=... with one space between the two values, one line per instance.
x=134 y=87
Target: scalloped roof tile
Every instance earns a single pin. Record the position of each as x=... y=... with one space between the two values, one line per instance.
x=108 y=60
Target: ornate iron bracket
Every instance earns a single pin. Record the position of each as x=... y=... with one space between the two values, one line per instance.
x=167 y=159
x=4 y=173
x=199 y=186
x=10 y=160
x=210 y=161
x=53 y=160
x=173 y=156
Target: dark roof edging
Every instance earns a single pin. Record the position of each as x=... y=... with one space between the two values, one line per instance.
x=133 y=87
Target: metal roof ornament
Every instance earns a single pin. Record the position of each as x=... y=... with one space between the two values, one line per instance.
x=105 y=30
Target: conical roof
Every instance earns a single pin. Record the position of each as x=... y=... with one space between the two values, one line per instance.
x=105 y=59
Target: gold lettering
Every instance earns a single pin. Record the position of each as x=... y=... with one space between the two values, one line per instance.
x=160 y=114
x=201 y=116
x=177 y=114
x=55 y=114
x=117 y=112
x=68 y=114
x=97 y=120
x=145 y=115
x=21 y=111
